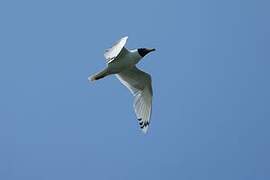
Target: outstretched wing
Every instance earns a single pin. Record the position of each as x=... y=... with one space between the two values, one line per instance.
x=139 y=83
x=117 y=49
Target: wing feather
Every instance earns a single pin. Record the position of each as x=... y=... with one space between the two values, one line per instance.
x=139 y=83
x=117 y=49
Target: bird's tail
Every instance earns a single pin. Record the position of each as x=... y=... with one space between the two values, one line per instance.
x=99 y=75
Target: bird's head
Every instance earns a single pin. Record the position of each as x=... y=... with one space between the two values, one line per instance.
x=144 y=51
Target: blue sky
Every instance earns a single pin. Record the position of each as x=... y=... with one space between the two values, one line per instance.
x=211 y=90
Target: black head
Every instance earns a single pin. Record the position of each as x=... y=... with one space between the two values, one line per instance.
x=144 y=51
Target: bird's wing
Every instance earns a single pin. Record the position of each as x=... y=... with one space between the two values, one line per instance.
x=139 y=83
x=116 y=50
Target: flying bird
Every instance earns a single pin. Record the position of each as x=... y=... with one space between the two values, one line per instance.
x=122 y=62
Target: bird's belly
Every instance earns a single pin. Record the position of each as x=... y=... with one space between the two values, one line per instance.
x=119 y=65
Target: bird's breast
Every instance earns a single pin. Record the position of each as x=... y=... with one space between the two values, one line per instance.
x=123 y=62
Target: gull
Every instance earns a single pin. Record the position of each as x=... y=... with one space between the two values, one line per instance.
x=122 y=62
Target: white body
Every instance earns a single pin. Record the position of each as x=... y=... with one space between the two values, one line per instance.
x=126 y=60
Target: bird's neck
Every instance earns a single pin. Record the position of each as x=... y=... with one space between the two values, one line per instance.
x=135 y=56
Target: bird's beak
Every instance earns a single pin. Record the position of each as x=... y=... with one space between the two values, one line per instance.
x=151 y=49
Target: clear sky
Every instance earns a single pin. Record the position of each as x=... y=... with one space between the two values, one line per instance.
x=211 y=106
